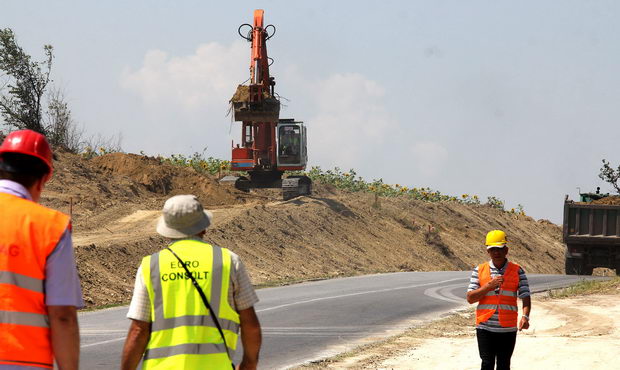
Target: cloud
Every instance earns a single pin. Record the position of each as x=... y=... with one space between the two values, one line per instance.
x=350 y=120
x=429 y=158
x=206 y=78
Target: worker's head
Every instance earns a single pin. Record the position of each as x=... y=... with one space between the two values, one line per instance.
x=183 y=217
x=496 y=245
x=26 y=158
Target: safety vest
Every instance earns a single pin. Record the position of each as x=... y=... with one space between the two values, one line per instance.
x=183 y=333
x=29 y=233
x=503 y=301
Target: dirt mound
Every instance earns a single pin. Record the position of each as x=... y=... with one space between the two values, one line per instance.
x=166 y=179
x=115 y=201
x=611 y=200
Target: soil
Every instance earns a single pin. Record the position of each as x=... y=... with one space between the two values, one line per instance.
x=610 y=200
x=576 y=333
x=115 y=200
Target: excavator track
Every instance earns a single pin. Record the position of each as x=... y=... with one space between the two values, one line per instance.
x=295 y=186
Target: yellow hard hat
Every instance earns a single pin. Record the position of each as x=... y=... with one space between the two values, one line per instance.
x=496 y=238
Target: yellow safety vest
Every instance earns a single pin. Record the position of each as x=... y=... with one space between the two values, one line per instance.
x=183 y=334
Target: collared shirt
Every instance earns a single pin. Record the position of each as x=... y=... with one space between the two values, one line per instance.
x=240 y=297
x=492 y=324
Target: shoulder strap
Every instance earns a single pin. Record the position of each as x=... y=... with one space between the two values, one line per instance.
x=205 y=301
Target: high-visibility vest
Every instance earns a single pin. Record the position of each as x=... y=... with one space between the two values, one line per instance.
x=29 y=233
x=503 y=301
x=183 y=333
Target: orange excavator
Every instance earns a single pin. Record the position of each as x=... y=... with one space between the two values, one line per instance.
x=270 y=146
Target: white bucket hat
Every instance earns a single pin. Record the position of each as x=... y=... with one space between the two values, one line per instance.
x=182 y=217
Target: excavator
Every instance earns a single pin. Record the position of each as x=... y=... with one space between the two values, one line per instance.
x=270 y=146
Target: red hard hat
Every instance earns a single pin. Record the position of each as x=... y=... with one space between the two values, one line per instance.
x=28 y=142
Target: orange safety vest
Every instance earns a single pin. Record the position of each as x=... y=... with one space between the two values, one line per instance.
x=29 y=233
x=504 y=301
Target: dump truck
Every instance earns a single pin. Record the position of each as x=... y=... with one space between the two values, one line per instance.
x=591 y=233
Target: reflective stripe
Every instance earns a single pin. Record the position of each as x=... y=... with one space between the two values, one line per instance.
x=158 y=293
x=24 y=318
x=185 y=349
x=161 y=323
x=496 y=306
x=216 y=283
x=22 y=281
x=201 y=320
x=506 y=293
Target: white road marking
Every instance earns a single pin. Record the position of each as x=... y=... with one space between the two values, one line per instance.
x=310 y=301
x=444 y=293
x=103 y=342
x=354 y=294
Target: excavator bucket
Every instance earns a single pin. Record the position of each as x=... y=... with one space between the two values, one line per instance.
x=244 y=109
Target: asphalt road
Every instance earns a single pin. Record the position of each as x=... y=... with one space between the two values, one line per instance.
x=311 y=320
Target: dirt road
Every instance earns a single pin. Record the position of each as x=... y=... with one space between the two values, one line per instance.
x=572 y=333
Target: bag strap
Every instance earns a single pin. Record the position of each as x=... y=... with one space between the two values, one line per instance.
x=205 y=301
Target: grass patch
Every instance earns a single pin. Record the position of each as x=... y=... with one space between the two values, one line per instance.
x=586 y=287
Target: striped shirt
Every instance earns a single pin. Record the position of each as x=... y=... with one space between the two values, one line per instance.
x=492 y=324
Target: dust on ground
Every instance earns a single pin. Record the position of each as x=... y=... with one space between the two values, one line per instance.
x=575 y=333
x=115 y=200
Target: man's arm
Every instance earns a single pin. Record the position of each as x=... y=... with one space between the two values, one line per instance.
x=65 y=336
x=251 y=338
x=527 y=307
x=474 y=296
x=135 y=344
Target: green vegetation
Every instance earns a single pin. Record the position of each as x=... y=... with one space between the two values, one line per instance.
x=347 y=181
x=197 y=161
x=610 y=175
x=26 y=99
x=587 y=287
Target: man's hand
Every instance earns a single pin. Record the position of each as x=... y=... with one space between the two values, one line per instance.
x=250 y=338
x=495 y=283
x=524 y=323
x=135 y=344
x=65 y=336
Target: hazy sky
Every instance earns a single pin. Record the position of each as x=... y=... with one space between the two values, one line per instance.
x=515 y=99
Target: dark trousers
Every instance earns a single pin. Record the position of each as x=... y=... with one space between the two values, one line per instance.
x=495 y=346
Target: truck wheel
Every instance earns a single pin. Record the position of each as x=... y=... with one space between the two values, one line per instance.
x=572 y=266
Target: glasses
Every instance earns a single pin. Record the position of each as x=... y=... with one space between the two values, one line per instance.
x=495 y=249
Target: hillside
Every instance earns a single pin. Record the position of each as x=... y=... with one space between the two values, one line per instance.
x=115 y=200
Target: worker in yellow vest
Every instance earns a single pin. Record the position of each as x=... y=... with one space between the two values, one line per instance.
x=39 y=285
x=496 y=285
x=191 y=299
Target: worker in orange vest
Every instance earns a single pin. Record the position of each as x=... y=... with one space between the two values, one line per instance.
x=39 y=285
x=495 y=285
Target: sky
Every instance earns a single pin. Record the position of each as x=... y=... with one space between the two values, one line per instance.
x=517 y=100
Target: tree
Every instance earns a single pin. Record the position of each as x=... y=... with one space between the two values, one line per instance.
x=24 y=101
x=25 y=83
x=59 y=124
x=610 y=175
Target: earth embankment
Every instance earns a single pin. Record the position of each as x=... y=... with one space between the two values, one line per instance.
x=115 y=201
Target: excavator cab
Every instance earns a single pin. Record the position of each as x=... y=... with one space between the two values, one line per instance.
x=291 y=140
